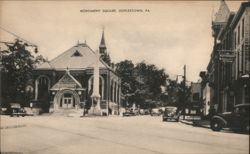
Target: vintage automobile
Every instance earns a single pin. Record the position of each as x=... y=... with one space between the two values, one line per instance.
x=238 y=119
x=155 y=112
x=16 y=110
x=171 y=113
x=128 y=113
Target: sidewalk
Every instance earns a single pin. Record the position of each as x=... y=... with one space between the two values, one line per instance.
x=7 y=122
x=197 y=123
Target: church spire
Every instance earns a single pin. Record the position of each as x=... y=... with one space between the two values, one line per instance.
x=221 y=18
x=223 y=13
x=102 y=46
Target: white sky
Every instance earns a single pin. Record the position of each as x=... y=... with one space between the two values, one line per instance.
x=171 y=35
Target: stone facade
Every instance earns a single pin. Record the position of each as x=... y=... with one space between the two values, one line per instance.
x=66 y=82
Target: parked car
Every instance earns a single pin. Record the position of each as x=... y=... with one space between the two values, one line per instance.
x=238 y=119
x=155 y=112
x=146 y=112
x=141 y=112
x=128 y=112
x=16 y=110
x=171 y=113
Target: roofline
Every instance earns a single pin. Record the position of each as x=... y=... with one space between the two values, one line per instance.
x=50 y=68
x=66 y=73
x=73 y=69
x=69 y=49
x=239 y=13
x=225 y=27
x=105 y=64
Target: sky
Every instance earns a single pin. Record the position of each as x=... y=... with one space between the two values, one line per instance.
x=167 y=34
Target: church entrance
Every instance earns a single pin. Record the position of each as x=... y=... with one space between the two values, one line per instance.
x=67 y=101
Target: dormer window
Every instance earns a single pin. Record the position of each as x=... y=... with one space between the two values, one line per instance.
x=77 y=54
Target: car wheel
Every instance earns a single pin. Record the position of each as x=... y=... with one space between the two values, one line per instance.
x=216 y=125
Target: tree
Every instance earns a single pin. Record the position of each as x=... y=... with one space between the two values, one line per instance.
x=150 y=80
x=178 y=94
x=172 y=89
x=125 y=70
x=141 y=82
x=17 y=63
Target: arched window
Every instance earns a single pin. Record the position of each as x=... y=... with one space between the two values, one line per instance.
x=42 y=86
x=115 y=92
x=111 y=91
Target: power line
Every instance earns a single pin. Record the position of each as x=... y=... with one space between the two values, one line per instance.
x=30 y=44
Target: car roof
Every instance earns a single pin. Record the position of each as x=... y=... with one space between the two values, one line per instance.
x=170 y=107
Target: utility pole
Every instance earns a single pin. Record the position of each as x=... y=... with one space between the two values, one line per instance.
x=184 y=80
x=184 y=77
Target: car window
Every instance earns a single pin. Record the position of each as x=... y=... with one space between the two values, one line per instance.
x=171 y=109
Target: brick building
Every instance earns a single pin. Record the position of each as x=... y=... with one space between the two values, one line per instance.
x=66 y=82
x=228 y=70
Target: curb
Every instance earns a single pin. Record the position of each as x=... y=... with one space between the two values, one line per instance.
x=195 y=125
x=186 y=122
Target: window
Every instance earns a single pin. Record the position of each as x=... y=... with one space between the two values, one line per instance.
x=242 y=58
x=77 y=54
x=242 y=30
x=196 y=97
x=234 y=40
x=247 y=97
x=239 y=34
x=238 y=63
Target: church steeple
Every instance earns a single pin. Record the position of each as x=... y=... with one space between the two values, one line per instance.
x=220 y=18
x=102 y=46
x=223 y=13
x=103 y=50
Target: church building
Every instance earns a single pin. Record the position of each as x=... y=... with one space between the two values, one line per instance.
x=70 y=82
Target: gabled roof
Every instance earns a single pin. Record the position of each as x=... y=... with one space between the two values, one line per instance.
x=45 y=65
x=223 y=13
x=67 y=81
x=238 y=15
x=70 y=59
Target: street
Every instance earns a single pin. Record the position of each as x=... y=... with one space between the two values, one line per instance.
x=124 y=135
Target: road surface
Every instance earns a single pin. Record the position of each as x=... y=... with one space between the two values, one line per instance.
x=114 y=135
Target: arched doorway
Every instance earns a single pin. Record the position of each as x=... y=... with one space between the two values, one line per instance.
x=66 y=99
